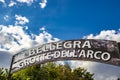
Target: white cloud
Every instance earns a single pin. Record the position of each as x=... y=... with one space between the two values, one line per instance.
x=43 y=4
x=26 y=27
x=12 y=3
x=43 y=28
x=6 y=17
x=29 y=2
x=3 y=1
x=14 y=38
x=101 y=71
x=106 y=34
x=21 y=20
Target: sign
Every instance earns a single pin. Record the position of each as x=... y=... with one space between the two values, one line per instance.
x=104 y=51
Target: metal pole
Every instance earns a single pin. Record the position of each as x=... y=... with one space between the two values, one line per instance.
x=119 y=47
x=9 y=74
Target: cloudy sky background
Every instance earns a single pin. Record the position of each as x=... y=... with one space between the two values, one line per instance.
x=29 y=23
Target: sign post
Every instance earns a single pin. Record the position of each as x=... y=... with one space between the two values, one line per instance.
x=119 y=47
x=9 y=74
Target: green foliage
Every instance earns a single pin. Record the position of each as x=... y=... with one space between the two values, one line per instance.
x=3 y=74
x=49 y=71
x=82 y=74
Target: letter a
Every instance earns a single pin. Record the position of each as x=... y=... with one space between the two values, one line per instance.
x=86 y=44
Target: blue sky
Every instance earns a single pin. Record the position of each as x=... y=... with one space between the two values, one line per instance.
x=67 y=17
x=28 y=23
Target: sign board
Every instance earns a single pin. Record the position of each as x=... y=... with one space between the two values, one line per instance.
x=104 y=51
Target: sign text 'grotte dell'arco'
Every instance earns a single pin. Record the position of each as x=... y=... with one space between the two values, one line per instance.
x=104 y=51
